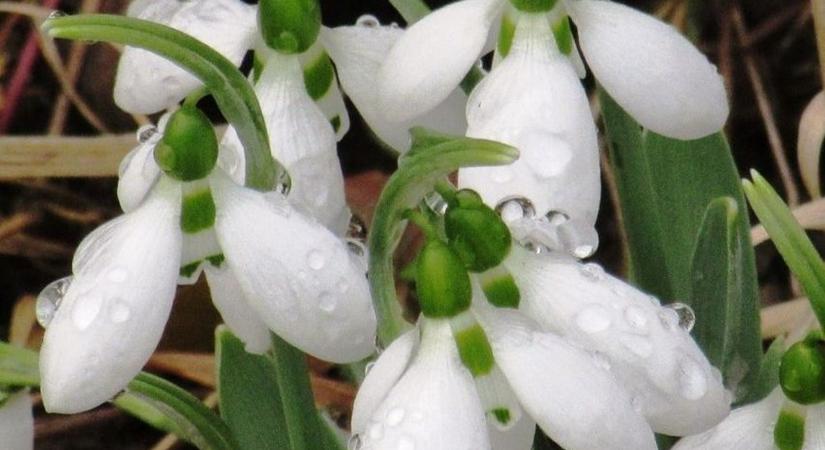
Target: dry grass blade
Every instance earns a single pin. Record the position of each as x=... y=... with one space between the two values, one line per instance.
x=783 y=318
x=53 y=156
x=23 y=321
x=809 y=144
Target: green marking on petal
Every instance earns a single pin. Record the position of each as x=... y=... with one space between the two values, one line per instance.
x=336 y=123
x=533 y=6
x=502 y=415
x=197 y=212
x=505 y=35
x=789 y=433
x=500 y=288
x=564 y=35
x=474 y=350
x=319 y=76
x=216 y=260
x=189 y=269
x=257 y=68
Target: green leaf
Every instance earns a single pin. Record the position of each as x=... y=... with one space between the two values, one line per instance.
x=768 y=377
x=716 y=288
x=18 y=366
x=147 y=411
x=415 y=177
x=790 y=239
x=231 y=90
x=250 y=400
x=665 y=186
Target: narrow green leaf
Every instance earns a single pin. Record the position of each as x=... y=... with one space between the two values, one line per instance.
x=665 y=186
x=790 y=239
x=231 y=90
x=250 y=400
x=18 y=366
x=768 y=377
x=148 y=412
x=415 y=177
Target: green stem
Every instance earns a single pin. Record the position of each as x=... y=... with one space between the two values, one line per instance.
x=232 y=91
x=446 y=190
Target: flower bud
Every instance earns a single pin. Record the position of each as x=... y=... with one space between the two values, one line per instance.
x=476 y=232
x=289 y=26
x=533 y=6
x=189 y=148
x=802 y=370
x=442 y=282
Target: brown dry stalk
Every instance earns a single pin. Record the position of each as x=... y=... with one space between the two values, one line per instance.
x=61 y=156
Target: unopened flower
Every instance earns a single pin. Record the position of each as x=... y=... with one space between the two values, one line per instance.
x=652 y=71
x=16 y=422
x=270 y=266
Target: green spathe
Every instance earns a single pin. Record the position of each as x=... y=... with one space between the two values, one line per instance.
x=441 y=281
x=474 y=350
x=533 y=6
x=802 y=370
x=289 y=26
x=189 y=148
x=476 y=232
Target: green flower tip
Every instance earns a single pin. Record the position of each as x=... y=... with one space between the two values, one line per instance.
x=789 y=432
x=802 y=370
x=533 y=6
x=500 y=288
x=289 y=26
x=441 y=281
x=189 y=148
x=476 y=232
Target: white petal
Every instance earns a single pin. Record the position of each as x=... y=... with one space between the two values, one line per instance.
x=574 y=400
x=114 y=312
x=669 y=378
x=534 y=101
x=434 y=405
x=137 y=174
x=241 y=319
x=382 y=376
x=147 y=83
x=303 y=141
x=333 y=106
x=747 y=428
x=650 y=69
x=299 y=277
x=814 y=429
x=17 y=422
x=196 y=248
x=431 y=58
x=519 y=437
x=358 y=52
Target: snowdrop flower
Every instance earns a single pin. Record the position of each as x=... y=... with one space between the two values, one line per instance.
x=16 y=422
x=147 y=83
x=269 y=266
x=652 y=71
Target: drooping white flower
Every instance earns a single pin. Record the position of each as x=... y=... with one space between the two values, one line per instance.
x=270 y=266
x=147 y=83
x=17 y=422
x=751 y=427
x=652 y=71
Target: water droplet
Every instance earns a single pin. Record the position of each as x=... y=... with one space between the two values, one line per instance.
x=593 y=319
x=395 y=25
x=368 y=367
x=556 y=218
x=685 y=314
x=669 y=319
x=117 y=275
x=578 y=237
x=120 y=312
x=641 y=346
x=405 y=443
x=327 y=302
x=357 y=229
x=283 y=183
x=316 y=259
x=655 y=301
x=355 y=442
x=584 y=251
x=693 y=384
x=56 y=14
x=146 y=133
x=49 y=299
x=86 y=308
x=356 y=247
x=395 y=416
x=636 y=317
x=512 y=209
x=436 y=203
x=592 y=271
x=376 y=431
x=367 y=20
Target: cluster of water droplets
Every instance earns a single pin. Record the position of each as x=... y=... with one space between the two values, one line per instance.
x=370 y=21
x=395 y=417
x=555 y=231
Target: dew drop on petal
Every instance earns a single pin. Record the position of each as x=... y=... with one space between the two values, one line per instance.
x=120 y=312
x=368 y=367
x=693 y=384
x=592 y=271
x=49 y=299
x=367 y=20
x=669 y=318
x=355 y=442
x=593 y=319
x=356 y=247
x=436 y=203
x=514 y=208
x=685 y=314
x=636 y=317
x=145 y=133
x=395 y=416
x=327 y=302
x=316 y=259
x=86 y=309
x=556 y=218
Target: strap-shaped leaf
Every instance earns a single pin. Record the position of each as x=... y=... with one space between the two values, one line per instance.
x=18 y=366
x=665 y=186
x=418 y=171
x=231 y=90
